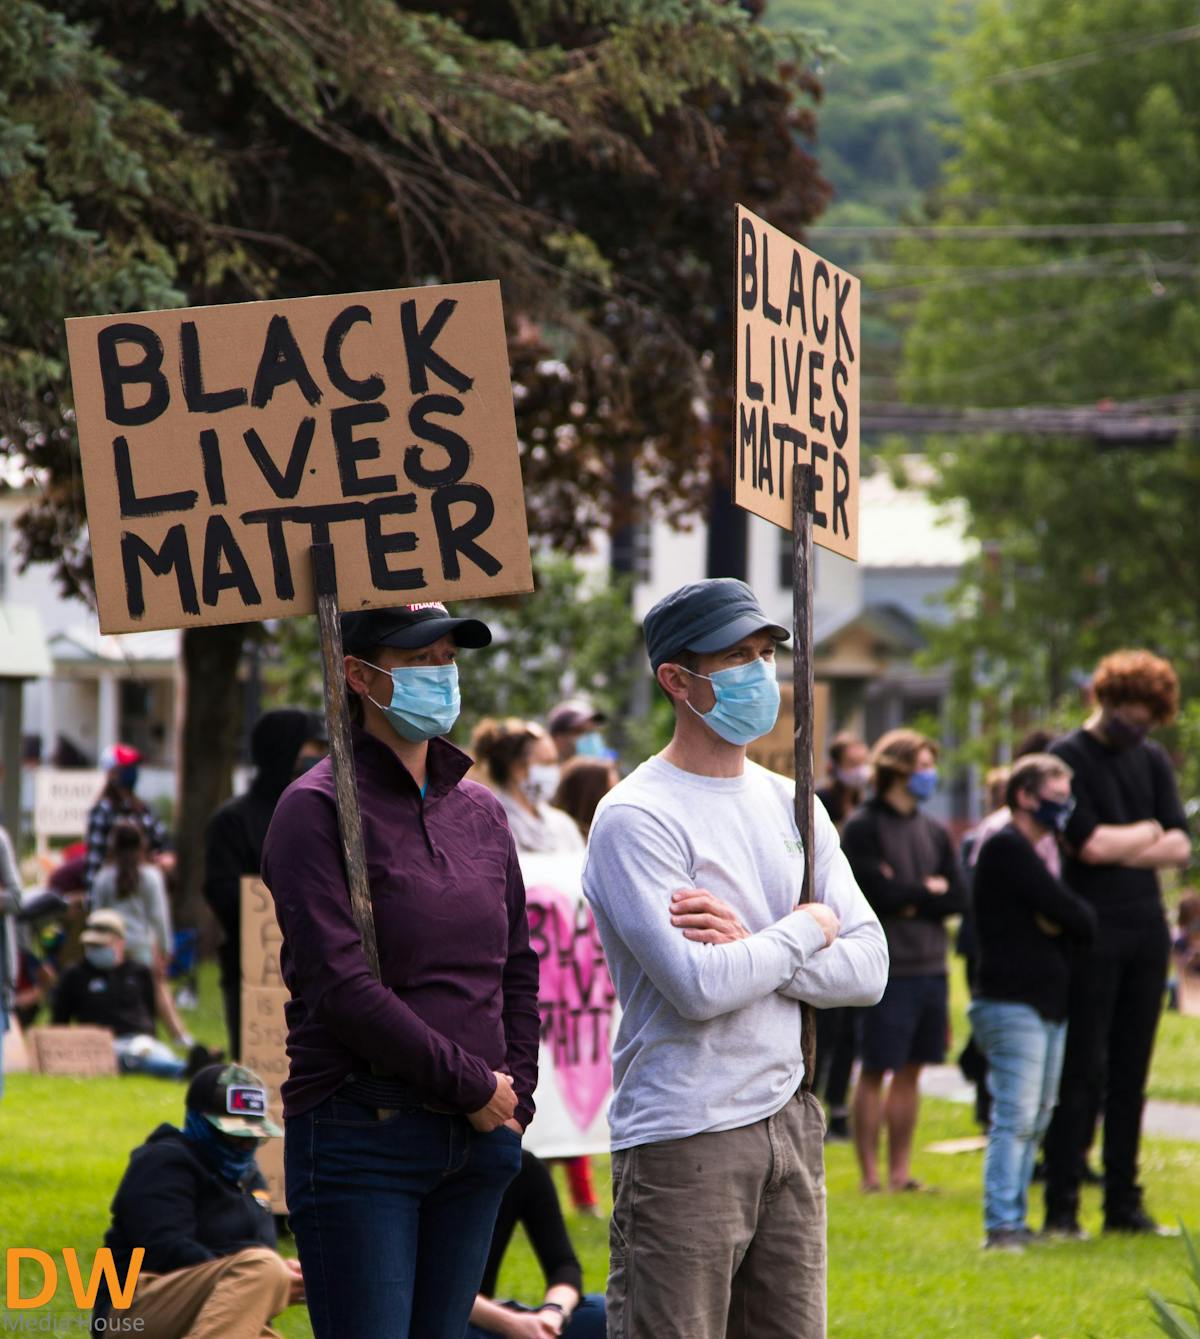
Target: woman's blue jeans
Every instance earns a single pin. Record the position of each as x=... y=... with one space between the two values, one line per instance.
x=393 y=1218
x=1024 y=1054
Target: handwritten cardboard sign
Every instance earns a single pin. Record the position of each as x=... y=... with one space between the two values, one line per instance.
x=799 y=364
x=264 y=1050
x=220 y=443
x=80 y=1052
x=264 y=1029
x=261 y=936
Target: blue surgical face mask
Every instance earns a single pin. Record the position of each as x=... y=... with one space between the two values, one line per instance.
x=747 y=704
x=425 y=700
x=922 y=784
x=230 y=1158
x=103 y=957
x=591 y=745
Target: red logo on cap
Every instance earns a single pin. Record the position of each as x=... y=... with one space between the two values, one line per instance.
x=412 y=608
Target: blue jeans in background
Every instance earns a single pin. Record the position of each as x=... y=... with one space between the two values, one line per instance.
x=1025 y=1054
x=393 y=1218
x=587 y=1320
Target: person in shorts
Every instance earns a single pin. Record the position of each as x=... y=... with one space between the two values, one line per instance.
x=905 y=864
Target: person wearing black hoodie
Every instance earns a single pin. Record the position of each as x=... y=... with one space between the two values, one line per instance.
x=284 y=744
x=196 y=1203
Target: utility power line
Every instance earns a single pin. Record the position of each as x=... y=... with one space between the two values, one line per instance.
x=972 y=232
x=1108 y=424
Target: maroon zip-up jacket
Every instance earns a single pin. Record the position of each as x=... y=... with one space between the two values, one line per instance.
x=458 y=997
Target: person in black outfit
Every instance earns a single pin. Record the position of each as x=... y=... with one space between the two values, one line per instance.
x=283 y=744
x=110 y=991
x=1024 y=920
x=905 y=864
x=195 y=1201
x=532 y=1201
x=838 y=1029
x=1127 y=825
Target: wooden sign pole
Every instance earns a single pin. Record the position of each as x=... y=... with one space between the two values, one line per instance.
x=337 y=717
x=802 y=703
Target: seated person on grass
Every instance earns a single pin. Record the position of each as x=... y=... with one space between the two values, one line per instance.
x=533 y=1201
x=106 y=990
x=197 y=1203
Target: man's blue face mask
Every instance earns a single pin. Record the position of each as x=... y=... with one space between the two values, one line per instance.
x=747 y=704
x=591 y=745
x=923 y=784
x=425 y=700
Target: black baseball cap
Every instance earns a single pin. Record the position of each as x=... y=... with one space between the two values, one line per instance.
x=409 y=626
x=705 y=616
x=234 y=1099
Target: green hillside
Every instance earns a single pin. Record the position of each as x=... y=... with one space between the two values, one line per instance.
x=884 y=101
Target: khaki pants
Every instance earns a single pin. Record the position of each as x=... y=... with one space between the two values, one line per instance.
x=722 y=1236
x=232 y=1297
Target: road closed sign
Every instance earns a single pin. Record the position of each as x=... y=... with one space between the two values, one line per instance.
x=798 y=374
x=220 y=443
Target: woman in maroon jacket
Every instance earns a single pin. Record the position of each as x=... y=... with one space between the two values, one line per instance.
x=393 y=1183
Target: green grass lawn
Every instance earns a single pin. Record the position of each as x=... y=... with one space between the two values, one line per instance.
x=901 y=1267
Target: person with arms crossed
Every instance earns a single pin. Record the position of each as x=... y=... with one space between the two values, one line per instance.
x=695 y=869
x=1127 y=825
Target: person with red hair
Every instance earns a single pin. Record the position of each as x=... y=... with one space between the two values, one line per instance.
x=1128 y=824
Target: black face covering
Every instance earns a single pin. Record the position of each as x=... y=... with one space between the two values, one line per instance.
x=275 y=742
x=1122 y=735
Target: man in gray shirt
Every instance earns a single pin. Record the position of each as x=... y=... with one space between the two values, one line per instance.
x=694 y=872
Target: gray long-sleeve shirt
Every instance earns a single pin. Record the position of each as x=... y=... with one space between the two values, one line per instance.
x=710 y=1034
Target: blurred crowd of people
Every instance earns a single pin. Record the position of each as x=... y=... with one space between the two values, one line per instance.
x=1068 y=952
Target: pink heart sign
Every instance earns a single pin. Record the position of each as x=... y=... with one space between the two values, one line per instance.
x=576 y=999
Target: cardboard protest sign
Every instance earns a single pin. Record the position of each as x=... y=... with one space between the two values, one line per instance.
x=578 y=1008
x=79 y=1052
x=264 y=1029
x=264 y=1050
x=261 y=936
x=219 y=443
x=798 y=382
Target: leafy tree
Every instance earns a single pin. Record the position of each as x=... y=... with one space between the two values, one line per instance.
x=586 y=152
x=1069 y=115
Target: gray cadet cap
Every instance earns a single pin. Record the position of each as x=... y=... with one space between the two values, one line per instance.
x=705 y=616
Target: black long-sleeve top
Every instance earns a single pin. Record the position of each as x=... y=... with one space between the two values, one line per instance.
x=532 y=1200
x=892 y=854
x=1026 y=920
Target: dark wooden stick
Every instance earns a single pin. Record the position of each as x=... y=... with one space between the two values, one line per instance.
x=802 y=706
x=337 y=718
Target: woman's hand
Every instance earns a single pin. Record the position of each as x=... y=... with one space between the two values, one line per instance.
x=534 y=1325
x=501 y=1107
